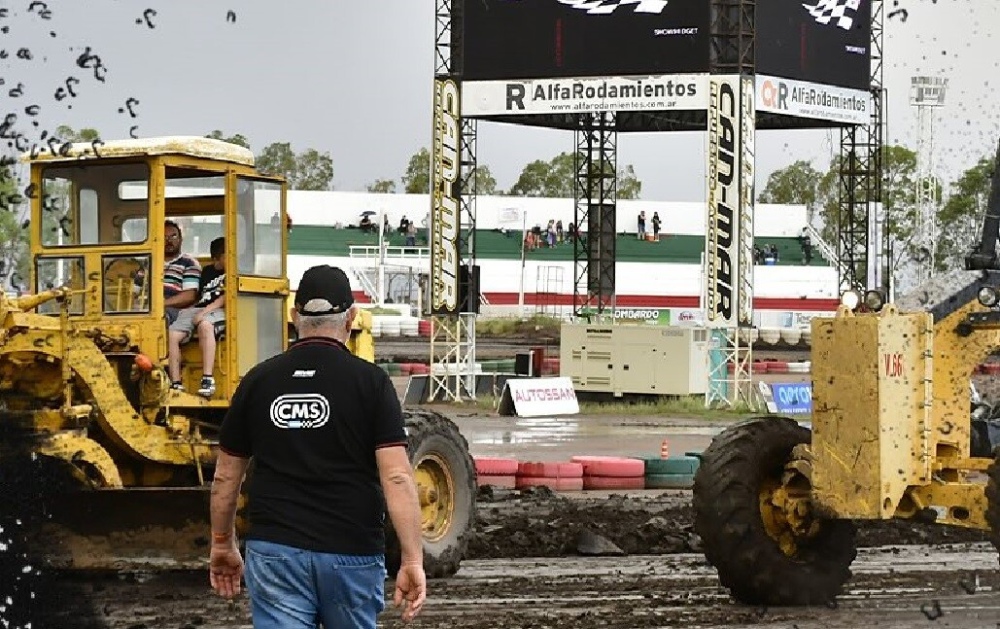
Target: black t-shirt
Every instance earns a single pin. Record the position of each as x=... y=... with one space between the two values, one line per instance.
x=213 y=285
x=312 y=419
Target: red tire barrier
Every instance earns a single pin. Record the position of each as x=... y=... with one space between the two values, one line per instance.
x=562 y=469
x=614 y=482
x=610 y=466
x=777 y=367
x=555 y=484
x=504 y=482
x=495 y=466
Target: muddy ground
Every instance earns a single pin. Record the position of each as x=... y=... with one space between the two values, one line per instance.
x=538 y=523
x=523 y=569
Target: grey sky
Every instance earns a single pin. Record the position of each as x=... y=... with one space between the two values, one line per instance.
x=353 y=77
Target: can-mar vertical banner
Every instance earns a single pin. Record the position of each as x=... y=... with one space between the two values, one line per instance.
x=729 y=225
x=445 y=223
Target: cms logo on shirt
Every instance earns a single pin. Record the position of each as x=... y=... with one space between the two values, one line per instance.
x=300 y=410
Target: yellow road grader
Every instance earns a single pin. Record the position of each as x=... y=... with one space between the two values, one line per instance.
x=893 y=436
x=112 y=463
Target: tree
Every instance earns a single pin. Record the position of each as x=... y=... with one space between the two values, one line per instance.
x=629 y=186
x=417 y=178
x=960 y=219
x=899 y=166
x=792 y=185
x=485 y=182
x=14 y=254
x=554 y=178
x=557 y=178
x=382 y=186
x=238 y=139
x=66 y=133
x=309 y=170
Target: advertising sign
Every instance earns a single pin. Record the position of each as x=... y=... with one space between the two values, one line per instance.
x=561 y=96
x=729 y=233
x=811 y=100
x=445 y=196
x=817 y=41
x=534 y=39
x=792 y=398
x=539 y=397
x=644 y=316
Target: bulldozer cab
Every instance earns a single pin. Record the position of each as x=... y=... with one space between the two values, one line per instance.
x=98 y=228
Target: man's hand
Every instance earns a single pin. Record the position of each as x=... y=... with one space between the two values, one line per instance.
x=411 y=590
x=226 y=569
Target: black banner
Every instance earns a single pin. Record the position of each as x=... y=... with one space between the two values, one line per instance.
x=819 y=41
x=535 y=39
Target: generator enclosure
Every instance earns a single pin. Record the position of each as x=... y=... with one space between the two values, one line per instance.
x=872 y=411
x=635 y=359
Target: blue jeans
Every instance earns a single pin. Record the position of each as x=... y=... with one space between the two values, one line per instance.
x=292 y=588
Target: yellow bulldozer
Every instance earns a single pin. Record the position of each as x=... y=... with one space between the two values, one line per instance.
x=896 y=433
x=117 y=462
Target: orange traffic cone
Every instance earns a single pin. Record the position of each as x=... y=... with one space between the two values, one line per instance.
x=665 y=449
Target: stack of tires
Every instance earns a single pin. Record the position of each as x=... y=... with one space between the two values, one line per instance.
x=556 y=475
x=496 y=472
x=671 y=473
x=610 y=472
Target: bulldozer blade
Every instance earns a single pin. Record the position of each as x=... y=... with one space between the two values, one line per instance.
x=124 y=530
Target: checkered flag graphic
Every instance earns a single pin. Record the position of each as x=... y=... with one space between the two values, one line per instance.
x=839 y=12
x=604 y=7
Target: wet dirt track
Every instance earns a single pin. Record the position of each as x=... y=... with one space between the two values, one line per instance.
x=524 y=570
x=892 y=589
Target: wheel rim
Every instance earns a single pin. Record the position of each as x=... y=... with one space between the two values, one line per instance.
x=786 y=511
x=435 y=490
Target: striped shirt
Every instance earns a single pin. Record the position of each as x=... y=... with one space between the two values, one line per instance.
x=181 y=274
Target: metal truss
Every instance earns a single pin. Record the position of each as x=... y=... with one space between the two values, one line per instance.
x=730 y=384
x=732 y=49
x=596 y=194
x=453 y=340
x=453 y=337
x=732 y=52
x=443 y=38
x=865 y=261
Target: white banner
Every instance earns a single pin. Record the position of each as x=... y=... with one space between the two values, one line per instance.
x=672 y=92
x=445 y=193
x=728 y=267
x=812 y=100
x=541 y=397
x=509 y=216
x=745 y=262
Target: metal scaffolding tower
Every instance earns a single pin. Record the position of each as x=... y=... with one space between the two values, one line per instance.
x=732 y=61
x=864 y=264
x=596 y=163
x=926 y=94
x=453 y=337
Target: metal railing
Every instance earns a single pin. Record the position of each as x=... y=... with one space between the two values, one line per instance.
x=824 y=247
x=366 y=284
x=372 y=252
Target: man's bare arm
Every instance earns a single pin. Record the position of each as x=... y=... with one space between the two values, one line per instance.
x=229 y=473
x=182 y=299
x=396 y=476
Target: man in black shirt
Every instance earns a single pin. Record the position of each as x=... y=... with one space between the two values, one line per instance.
x=326 y=434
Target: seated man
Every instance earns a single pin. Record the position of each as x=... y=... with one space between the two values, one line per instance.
x=207 y=316
x=180 y=273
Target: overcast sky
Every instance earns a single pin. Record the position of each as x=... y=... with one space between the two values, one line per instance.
x=353 y=77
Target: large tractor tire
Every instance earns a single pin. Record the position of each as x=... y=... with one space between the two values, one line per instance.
x=446 y=486
x=751 y=504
